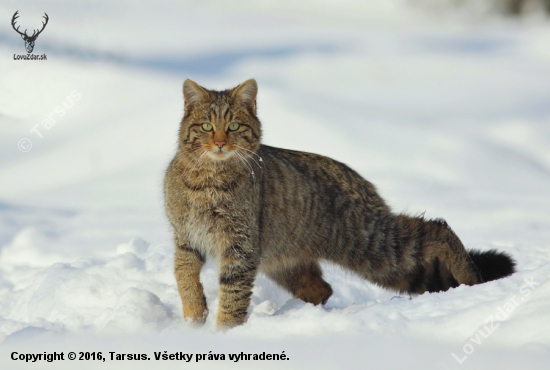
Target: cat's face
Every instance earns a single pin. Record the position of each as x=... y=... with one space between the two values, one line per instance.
x=220 y=125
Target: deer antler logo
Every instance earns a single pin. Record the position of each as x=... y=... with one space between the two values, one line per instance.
x=29 y=40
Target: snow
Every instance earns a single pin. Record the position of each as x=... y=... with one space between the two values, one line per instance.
x=445 y=110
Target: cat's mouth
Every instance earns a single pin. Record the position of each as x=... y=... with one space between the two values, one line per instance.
x=220 y=154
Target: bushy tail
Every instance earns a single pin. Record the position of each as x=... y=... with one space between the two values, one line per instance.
x=493 y=264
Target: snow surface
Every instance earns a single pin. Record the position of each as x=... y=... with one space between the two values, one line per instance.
x=446 y=110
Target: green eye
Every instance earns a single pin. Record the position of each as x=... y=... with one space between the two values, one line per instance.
x=207 y=127
x=234 y=126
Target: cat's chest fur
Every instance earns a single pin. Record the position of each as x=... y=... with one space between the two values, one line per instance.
x=205 y=224
x=211 y=217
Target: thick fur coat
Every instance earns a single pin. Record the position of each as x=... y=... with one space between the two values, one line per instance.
x=257 y=208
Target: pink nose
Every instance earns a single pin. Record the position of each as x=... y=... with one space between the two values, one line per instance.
x=220 y=144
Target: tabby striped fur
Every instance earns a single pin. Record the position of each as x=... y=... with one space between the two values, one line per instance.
x=257 y=208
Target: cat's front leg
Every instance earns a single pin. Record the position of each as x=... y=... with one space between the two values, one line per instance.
x=188 y=263
x=238 y=267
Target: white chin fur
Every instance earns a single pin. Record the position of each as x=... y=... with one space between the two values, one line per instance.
x=220 y=156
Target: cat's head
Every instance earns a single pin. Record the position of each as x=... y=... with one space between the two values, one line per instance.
x=220 y=125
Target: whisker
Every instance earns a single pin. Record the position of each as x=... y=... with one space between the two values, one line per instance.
x=244 y=161
x=250 y=151
x=193 y=149
x=202 y=158
x=248 y=156
x=197 y=163
x=260 y=159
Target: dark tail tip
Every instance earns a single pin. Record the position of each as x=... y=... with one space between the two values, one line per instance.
x=493 y=264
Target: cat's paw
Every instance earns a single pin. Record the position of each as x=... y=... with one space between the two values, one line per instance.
x=225 y=322
x=196 y=318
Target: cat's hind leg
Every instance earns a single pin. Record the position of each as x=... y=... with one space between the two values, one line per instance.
x=304 y=281
x=439 y=258
x=447 y=248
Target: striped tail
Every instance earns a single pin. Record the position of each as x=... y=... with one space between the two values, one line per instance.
x=413 y=255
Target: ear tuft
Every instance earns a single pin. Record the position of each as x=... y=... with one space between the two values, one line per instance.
x=193 y=93
x=246 y=92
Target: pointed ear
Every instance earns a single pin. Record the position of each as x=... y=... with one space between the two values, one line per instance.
x=193 y=93
x=246 y=93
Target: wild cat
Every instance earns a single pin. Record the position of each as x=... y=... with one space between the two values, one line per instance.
x=257 y=208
